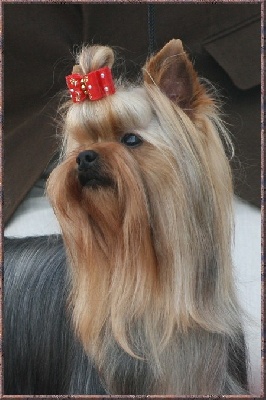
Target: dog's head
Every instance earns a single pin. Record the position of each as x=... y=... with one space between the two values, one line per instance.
x=143 y=196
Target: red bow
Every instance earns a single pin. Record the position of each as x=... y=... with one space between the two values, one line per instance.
x=94 y=85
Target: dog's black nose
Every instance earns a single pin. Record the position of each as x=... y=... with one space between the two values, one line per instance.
x=85 y=159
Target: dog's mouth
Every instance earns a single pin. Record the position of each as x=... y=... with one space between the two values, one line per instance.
x=93 y=179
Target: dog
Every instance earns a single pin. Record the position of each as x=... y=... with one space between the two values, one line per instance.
x=137 y=297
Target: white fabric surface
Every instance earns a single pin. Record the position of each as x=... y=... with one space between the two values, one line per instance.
x=35 y=217
x=247 y=262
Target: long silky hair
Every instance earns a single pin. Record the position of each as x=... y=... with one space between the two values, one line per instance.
x=152 y=300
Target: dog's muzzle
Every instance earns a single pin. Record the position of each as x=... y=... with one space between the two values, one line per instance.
x=89 y=170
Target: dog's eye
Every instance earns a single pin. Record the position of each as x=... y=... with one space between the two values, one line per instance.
x=131 y=140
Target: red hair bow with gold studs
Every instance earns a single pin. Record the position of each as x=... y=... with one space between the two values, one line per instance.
x=93 y=86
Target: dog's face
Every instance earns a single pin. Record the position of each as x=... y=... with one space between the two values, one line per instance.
x=111 y=142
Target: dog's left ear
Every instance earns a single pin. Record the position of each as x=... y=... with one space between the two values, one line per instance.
x=172 y=71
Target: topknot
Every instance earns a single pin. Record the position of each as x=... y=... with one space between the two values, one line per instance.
x=92 y=58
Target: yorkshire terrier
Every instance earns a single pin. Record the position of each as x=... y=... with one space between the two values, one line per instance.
x=143 y=195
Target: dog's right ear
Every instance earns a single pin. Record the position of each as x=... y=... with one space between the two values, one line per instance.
x=172 y=71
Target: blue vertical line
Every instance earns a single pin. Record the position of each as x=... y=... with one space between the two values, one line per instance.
x=151 y=29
